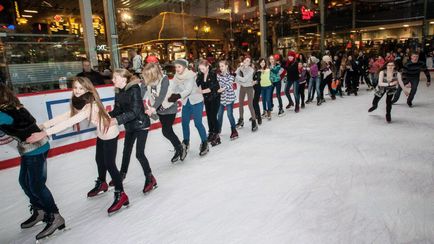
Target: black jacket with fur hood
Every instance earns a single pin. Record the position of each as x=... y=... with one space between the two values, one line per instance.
x=129 y=109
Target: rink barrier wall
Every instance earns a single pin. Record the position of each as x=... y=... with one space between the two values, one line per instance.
x=46 y=105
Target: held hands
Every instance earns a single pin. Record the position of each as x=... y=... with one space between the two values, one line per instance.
x=37 y=136
x=150 y=111
x=174 y=97
x=221 y=90
x=205 y=91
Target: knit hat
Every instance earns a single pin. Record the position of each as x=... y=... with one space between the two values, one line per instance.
x=292 y=54
x=276 y=57
x=182 y=62
x=152 y=59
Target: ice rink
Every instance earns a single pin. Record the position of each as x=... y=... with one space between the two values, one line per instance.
x=330 y=174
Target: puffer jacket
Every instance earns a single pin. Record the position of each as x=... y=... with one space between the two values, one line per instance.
x=129 y=109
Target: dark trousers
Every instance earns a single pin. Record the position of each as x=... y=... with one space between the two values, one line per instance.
x=414 y=85
x=130 y=137
x=167 y=121
x=389 y=97
x=212 y=108
x=364 y=76
x=278 y=87
x=299 y=93
x=327 y=82
x=351 y=82
x=256 y=98
x=106 y=161
x=287 y=91
x=33 y=175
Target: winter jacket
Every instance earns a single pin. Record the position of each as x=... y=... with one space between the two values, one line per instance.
x=185 y=85
x=20 y=124
x=275 y=73
x=292 y=71
x=211 y=83
x=313 y=71
x=159 y=95
x=228 y=95
x=129 y=109
x=244 y=76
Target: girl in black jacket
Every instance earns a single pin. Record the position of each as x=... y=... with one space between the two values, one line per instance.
x=130 y=112
x=207 y=82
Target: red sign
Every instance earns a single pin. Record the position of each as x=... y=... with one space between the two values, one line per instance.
x=245 y=44
x=1 y=7
x=306 y=14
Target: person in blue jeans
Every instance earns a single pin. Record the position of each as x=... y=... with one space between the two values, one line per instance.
x=18 y=123
x=264 y=78
x=227 y=97
x=292 y=76
x=185 y=88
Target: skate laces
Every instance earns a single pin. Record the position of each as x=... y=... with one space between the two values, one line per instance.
x=48 y=218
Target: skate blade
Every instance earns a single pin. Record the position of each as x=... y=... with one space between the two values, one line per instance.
x=148 y=192
x=119 y=210
x=53 y=235
x=99 y=195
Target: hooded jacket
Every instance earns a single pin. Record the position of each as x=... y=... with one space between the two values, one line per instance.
x=129 y=109
x=185 y=85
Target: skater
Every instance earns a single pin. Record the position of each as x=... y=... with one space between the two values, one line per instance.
x=158 y=90
x=86 y=105
x=362 y=69
x=388 y=82
x=374 y=68
x=292 y=75
x=299 y=87
x=129 y=111
x=276 y=74
x=411 y=73
x=226 y=81
x=207 y=82
x=264 y=78
x=257 y=96
x=327 y=73
x=314 y=81
x=351 y=79
x=244 y=77
x=185 y=88
x=18 y=123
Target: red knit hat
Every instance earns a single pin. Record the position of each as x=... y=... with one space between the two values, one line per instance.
x=292 y=53
x=276 y=57
x=151 y=59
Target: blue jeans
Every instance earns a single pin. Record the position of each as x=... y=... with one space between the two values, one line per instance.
x=32 y=178
x=230 y=113
x=314 y=85
x=267 y=93
x=287 y=90
x=188 y=111
x=278 y=87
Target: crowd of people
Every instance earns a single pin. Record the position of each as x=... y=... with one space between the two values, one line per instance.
x=207 y=88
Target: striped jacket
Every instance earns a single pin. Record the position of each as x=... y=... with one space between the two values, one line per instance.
x=228 y=95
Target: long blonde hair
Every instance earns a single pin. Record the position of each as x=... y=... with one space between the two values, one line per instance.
x=126 y=74
x=152 y=73
x=103 y=116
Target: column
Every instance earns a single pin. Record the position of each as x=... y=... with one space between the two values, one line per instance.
x=88 y=32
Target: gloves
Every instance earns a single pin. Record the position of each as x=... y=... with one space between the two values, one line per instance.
x=174 y=97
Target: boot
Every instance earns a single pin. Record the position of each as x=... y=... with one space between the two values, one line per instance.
x=37 y=216
x=259 y=120
x=150 y=183
x=388 y=118
x=254 y=126
x=297 y=108
x=204 y=149
x=302 y=105
x=280 y=112
x=54 y=222
x=240 y=123
x=123 y=175
x=264 y=114
x=121 y=199
x=179 y=151
x=410 y=104
x=185 y=146
x=211 y=136
x=308 y=101
x=372 y=109
x=216 y=141
x=100 y=186
x=318 y=102
x=269 y=115
x=333 y=97
x=288 y=106
x=234 y=134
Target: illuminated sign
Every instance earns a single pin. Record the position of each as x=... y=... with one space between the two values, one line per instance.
x=306 y=14
x=1 y=7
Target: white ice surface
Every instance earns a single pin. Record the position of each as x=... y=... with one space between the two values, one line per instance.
x=330 y=174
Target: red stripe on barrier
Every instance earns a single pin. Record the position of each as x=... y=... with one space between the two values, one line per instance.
x=13 y=162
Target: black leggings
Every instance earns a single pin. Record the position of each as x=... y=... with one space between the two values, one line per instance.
x=212 y=108
x=388 y=101
x=327 y=82
x=130 y=138
x=256 y=97
x=106 y=161
x=167 y=121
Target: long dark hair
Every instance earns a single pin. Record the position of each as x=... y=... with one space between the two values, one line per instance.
x=258 y=64
x=8 y=98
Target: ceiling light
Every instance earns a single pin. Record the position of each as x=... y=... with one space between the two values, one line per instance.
x=30 y=11
x=406 y=25
x=382 y=28
x=26 y=16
